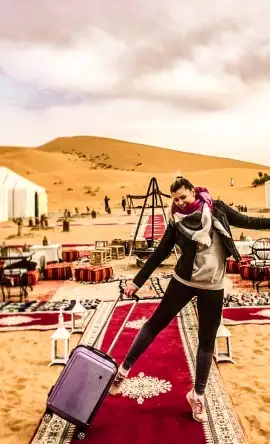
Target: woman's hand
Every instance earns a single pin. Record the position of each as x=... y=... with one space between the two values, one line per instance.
x=130 y=290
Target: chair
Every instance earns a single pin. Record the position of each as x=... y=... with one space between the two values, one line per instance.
x=261 y=261
x=261 y=251
x=13 y=273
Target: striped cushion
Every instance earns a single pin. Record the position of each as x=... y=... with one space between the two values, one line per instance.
x=57 y=271
x=70 y=255
x=28 y=279
x=233 y=265
x=32 y=277
x=251 y=273
x=93 y=273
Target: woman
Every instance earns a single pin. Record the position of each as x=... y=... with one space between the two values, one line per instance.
x=201 y=228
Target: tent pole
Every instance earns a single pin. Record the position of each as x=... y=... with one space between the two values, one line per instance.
x=139 y=222
x=165 y=217
x=153 y=210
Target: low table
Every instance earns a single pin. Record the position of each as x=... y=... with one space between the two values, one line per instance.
x=118 y=251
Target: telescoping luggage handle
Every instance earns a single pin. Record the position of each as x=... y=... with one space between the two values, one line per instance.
x=135 y=299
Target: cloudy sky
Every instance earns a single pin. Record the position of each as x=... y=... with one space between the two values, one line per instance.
x=191 y=75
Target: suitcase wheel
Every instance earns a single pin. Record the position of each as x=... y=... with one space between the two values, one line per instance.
x=81 y=435
x=47 y=417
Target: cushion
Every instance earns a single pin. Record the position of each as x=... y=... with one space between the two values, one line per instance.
x=59 y=271
x=93 y=273
x=70 y=255
x=251 y=273
x=233 y=266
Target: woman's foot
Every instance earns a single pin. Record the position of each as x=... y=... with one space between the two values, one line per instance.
x=122 y=374
x=197 y=405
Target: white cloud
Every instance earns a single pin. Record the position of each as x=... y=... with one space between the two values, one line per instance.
x=192 y=76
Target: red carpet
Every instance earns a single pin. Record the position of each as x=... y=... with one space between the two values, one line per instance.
x=161 y=418
x=31 y=321
x=246 y=315
x=151 y=408
x=159 y=227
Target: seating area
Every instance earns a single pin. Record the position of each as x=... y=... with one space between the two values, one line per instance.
x=254 y=267
x=21 y=270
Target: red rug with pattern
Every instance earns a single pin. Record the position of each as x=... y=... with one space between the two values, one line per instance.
x=159 y=227
x=31 y=321
x=246 y=315
x=153 y=408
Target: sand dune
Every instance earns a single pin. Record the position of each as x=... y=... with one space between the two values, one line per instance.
x=128 y=155
x=69 y=167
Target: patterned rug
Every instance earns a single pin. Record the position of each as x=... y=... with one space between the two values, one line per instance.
x=153 y=288
x=246 y=300
x=35 y=321
x=159 y=226
x=151 y=408
x=36 y=306
x=246 y=315
x=40 y=315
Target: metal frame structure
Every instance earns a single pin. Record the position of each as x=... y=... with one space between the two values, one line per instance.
x=154 y=191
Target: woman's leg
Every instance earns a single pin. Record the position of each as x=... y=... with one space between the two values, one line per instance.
x=209 y=305
x=176 y=296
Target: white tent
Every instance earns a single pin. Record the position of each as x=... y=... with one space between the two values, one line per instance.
x=267 y=194
x=19 y=197
x=3 y=204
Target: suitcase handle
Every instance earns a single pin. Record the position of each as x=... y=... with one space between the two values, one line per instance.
x=136 y=299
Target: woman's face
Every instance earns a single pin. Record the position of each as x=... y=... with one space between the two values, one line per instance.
x=183 y=197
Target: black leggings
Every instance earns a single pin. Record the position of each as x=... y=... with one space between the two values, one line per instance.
x=177 y=295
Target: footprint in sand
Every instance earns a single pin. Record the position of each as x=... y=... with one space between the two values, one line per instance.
x=258 y=352
x=250 y=389
x=266 y=399
x=259 y=384
x=22 y=380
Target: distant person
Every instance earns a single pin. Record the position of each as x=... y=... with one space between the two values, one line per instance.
x=232 y=182
x=201 y=227
x=106 y=202
x=87 y=210
x=124 y=203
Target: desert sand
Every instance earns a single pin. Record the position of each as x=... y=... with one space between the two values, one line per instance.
x=112 y=167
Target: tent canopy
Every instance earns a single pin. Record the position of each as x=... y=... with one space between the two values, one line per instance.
x=20 y=197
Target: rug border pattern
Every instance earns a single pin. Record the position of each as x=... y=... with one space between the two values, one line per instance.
x=224 y=426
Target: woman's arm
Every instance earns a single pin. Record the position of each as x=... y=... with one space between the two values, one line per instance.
x=157 y=257
x=237 y=219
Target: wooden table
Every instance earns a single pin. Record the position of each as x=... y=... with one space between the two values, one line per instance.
x=118 y=251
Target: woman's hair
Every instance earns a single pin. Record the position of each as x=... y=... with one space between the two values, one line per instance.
x=180 y=182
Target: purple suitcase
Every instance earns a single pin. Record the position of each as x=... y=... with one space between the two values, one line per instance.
x=84 y=383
